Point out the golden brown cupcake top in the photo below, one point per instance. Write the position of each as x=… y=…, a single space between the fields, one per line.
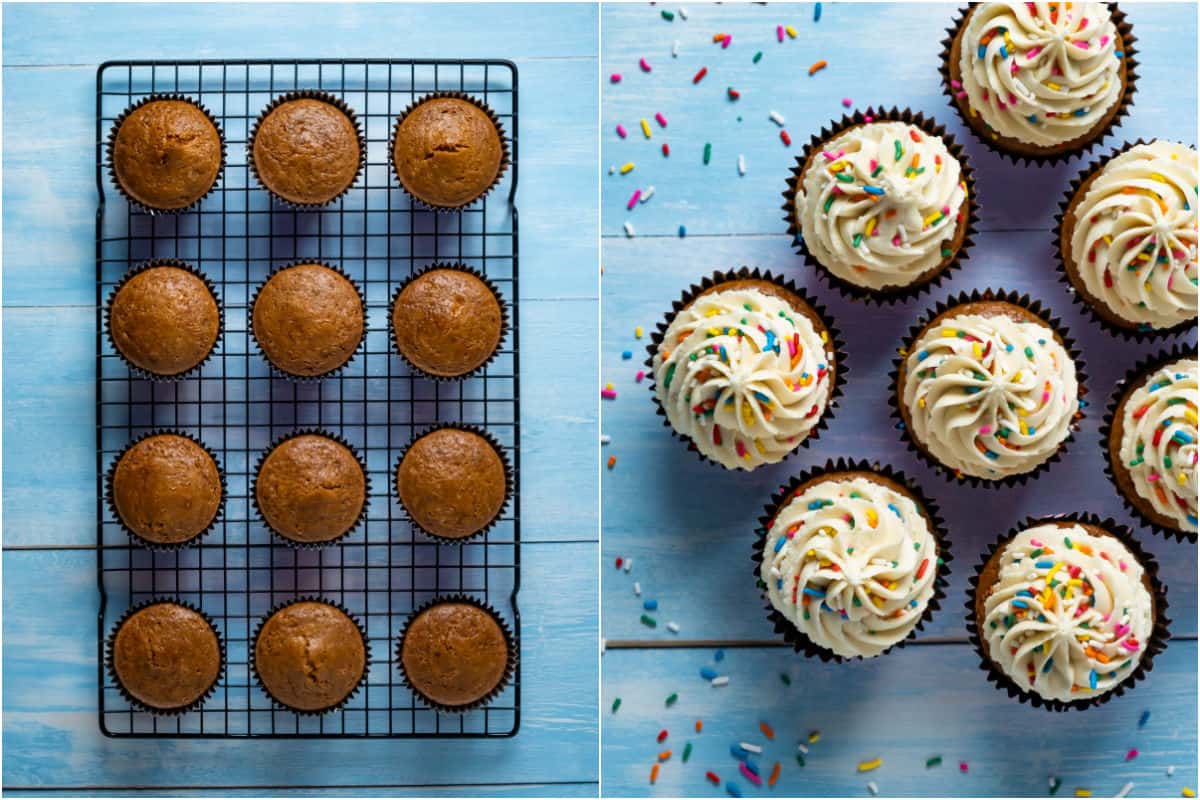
x=308 y=319
x=447 y=152
x=452 y=483
x=306 y=151
x=310 y=656
x=164 y=320
x=447 y=322
x=166 y=655
x=454 y=653
x=167 y=154
x=166 y=489
x=311 y=488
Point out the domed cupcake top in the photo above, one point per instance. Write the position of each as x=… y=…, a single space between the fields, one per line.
x=308 y=319
x=310 y=656
x=166 y=489
x=454 y=653
x=448 y=151
x=1133 y=242
x=852 y=564
x=164 y=320
x=880 y=205
x=306 y=150
x=311 y=488
x=167 y=154
x=1041 y=73
x=1069 y=614
x=166 y=656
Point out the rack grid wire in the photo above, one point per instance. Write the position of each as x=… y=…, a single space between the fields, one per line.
x=238 y=572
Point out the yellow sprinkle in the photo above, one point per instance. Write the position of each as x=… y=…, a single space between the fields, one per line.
x=1187 y=790
x=758 y=446
x=932 y=218
x=1182 y=478
x=872 y=517
x=715 y=331
x=1155 y=176
x=712 y=312
x=949 y=333
x=628 y=168
x=867 y=766
x=870 y=226
x=921 y=402
x=608 y=386
x=1190 y=416
x=1052 y=85
x=814 y=737
x=1083 y=792
x=790 y=31
x=637 y=332
x=977 y=349
x=645 y=129
x=824 y=336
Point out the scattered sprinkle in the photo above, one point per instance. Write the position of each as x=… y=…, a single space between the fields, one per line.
x=872 y=788
x=699 y=76
x=671 y=698
x=687 y=752
x=774 y=774
x=757 y=57
x=814 y=737
x=605 y=438
x=682 y=12
x=707 y=152
x=741 y=164
x=615 y=77
x=1083 y=792
x=633 y=199
x=662 y=736
x=1188 y=792
x=682 y=231
x=1132 y=754
x=847 y=102
x=627 y=168
x=712 y=777
x=637 y=332
x=699 y=726
x=733 y=790
x=962 y=766
x=644 y=64
x=616 y=704
x=664 y=755
x=933 y=761
x=787 y=140
x=654 y=773
x=612 y=461
x=1125 y=790
x=628 y=229
x=750 y=748
x=1144 y=718
x=767 y=731
x=637 y=589
x=791 y=32
x=867 y=766
x=787 y=679
x=720 y=681
x=817 y=13
x=660 y=119
x=608 y=394
x=817 y=67
x=648 y=621
x=669 y=16
x=621 y=131
x=673 y=627
x=1055 y=783
x=646 y=195
x=777 y=118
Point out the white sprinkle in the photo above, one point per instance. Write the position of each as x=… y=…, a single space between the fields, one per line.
x=777 y=118
x=802 y=748
x=628 y=564
x=673 y=627
x=646 y=195
x=682 y=12
x=629 y=230
x=720 y=680
x=872 y=788
x=1125 y=790
x=605 y=438
x=675 y=49
x=611 y=170
x=775 y=573
x=637 y=588
x=1170 y=771
x=603 y=645
x=1050 y=781
x=741 y=164
x=750 y=748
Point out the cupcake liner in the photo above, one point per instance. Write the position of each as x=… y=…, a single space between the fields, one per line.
x=284 y=373
x=110 y=662
x=509 y=481
x=459 y=267
x=137 y=205
x=1130 y=332
x=1142 y=369
x=338 y=706
x=110 y=498
x=505 y=150
x=988 y=295
x=836 y=344
x=937 y=526
x=262 y=459
x=310 y=94
x=1158 y=637
x=892 y=294
x=1128 y=40
x=134 y=369
x=509 y=670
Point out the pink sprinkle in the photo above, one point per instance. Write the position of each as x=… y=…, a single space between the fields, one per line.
x=896 y=240
x=658 y=116
x=984 y=430
x=1132 y=754
x=741 y=449
x=725 y=42
x=748 y=775
x=633 y=198
x=1103 y=41
x=874 y=164
x=615 y=77
x=644 y=64
x=1121 y=564
x=961 y=95
x=847 y=102
x=1120 y=630
x=639 y=376
x=1036 y=543
x=833 y=156
x=1033 y=52
x=608 y=394
x=868 y=119
x=1153 y=476
x=956 y=84
x=1130 y=645
x=962 y=766
x=621 y=131
x=779 y=32
x=1045 y=397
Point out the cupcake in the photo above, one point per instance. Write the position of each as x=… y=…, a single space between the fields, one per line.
x=448 y=150
x=456 y=654
x=165 y=657
x=1150 y=442
x=881 y=203
x=987 y=388
x=166 y=153
x=1040 y=81
x=1127 y=237
x=306 y=148
x=453 y=482
x=852 y=559
x=1067 y=612
x=166 y=489
x=447 y=321
x=308 y=319
x=164 y=319
x=311 y=489
x=745 y=368
x=310 y=656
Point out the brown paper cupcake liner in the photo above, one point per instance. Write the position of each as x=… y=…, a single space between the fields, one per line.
x=505 y=150
x=134 y=369
x=310 y=94
x=988 y=295
x=110 y=661
x=836 y=344
x=1130 y=331
x=339 y=705
x=262 y=459
x=890 y=294
x=458 y=266
x=509 y=482
x=135 y=204
x=279 y=371
x=110 y=498
x=1144 y=367
x=937 y=526
x=509 y=670
x=1158 y=637
x=1128 y=40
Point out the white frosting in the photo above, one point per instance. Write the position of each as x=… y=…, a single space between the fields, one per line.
x=744 y=376
x=880 y=204
x=1040 y=73
x=1134 y=241
x=852 y=564
x=1158 y=442
x=1067 y=621
x=990 y=396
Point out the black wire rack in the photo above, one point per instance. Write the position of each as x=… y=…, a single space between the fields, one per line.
x=384 y=569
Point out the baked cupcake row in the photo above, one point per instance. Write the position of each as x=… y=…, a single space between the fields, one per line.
x=310 y=656
x=167 y=152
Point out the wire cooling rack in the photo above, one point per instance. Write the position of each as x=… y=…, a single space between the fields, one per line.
x=238 y=572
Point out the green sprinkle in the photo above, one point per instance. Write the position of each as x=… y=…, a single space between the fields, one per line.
x=800 y=759
x=858 y=237
x=648 y=621
x=947 y=252
x=899 y=150
x=933 y=762
x=668 y=15
x=828 y=204
x=1067 y=542
x=1028 y=351
x=845 y=177
x=616 y=705
x=707 y=152
x=758 y=57
x=875 y=172
x=687 y=752
x=787 y=681
x=671 y=698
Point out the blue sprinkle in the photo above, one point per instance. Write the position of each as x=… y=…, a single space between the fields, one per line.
x=626 y=354
x=813 y=592
x=708 y=673
x=650 y=605
x=733 y=790
x=1182 y=437
x=982 y=50
x=817 y=13
x=1008 y=348
x=1092 y=679
x=719 y=655
x=1192 y=518
x=814 y=505
x=1048 y=665
x=779 y=543
x=1043 y=565
x=922 y=355
x=1003 y=51
x=820 y=366
x=895 y=510
x=973 y=390
x=779 y=584
x=737 y=752
x=751 y=764
x=1080 y=112
x=1143 y=719
x=1026 y=592
x=875 y=190
x=1119 y=53
x=1019 y=604
x=682 y=231
x=1032 y=430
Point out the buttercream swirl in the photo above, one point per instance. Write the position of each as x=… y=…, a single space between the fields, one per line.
x=744 y=376
x=1158 y=441
x=1134 y=239
x=1068 y=617
x=990 y=396
x=880 y=205
x=1040 y=73
x=852 y=564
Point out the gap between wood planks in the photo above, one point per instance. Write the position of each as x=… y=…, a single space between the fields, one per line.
x=706 y=644
x=259 y=787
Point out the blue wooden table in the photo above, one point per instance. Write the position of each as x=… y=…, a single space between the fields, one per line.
x=52 y=743
x=688 y=526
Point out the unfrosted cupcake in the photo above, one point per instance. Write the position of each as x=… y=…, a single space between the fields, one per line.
x=310 y=656
x=307 y=149
x=308 y=319
x=166 y=657
x=311 y=489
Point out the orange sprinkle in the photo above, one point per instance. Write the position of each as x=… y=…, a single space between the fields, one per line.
x=774 y=774
x=766 y=729
x=664 y=755
x=699 y=726
x=654 y=773
x=817 y=67
x=612 y=461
